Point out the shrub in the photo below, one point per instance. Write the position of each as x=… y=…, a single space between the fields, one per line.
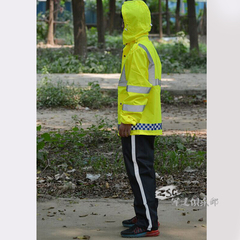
x=63 y=61
x=51 y=94
x=94 y=98
x=175 y=57
x=42 y=28
x=90 y=147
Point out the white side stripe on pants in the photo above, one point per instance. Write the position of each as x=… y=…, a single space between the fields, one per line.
x=136 y=171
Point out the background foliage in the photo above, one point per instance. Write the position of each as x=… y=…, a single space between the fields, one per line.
x=175 y=56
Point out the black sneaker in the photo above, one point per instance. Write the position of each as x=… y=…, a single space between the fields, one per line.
x=131 y=222
x=137 y=232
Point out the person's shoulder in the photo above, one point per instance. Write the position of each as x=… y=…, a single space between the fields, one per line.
x=147 y=43
x=137 y=48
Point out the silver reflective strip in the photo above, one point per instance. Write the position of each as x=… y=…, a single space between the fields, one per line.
x=139 y=181
x=156 y=82
x=123 y=81
x=151 y=68
x=133 y=108
x=138 y=89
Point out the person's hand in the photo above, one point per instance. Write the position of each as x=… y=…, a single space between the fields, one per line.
x=125 y=129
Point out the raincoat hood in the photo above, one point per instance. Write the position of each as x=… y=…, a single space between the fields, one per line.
x=137 y=20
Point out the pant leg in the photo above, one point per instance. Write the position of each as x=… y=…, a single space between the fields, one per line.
x=138 y=152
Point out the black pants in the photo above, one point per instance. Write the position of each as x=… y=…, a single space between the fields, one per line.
x=138 y=153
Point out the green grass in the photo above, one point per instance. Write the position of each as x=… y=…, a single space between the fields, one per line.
x=175 y=153
x=59 y=94
x=63 y=61
x=98 y=147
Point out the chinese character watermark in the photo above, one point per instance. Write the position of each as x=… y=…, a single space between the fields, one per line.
x=171 y=192
x=194 y=202
x=214 y=201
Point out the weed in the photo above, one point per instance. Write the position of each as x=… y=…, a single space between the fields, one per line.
x=50 y=94
x=174 y=153
x=98 y=147
x=59 y=94
x=58 y=146
x=41 y=28
x=63 y=61
x=94 y=98
x=166 y=97
x=176 y=57
x=41 y=152
x=111 y=41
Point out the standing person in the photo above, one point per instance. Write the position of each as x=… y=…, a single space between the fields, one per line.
x=139 y=116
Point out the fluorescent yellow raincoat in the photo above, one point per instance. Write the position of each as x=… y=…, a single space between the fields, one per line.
x=139 y=87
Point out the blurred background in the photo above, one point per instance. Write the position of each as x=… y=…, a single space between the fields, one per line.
x=86 y=36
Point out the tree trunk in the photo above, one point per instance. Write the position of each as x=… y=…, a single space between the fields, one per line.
x=160 y=18
x=80 y=37
x=192 y=25
x=205 y=19
x=50 y=37
x=100 y=24
x=112 y=10
x=167 y=18
x=177 y=16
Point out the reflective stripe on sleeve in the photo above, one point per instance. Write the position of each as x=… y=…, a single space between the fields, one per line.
x=151 y=71
x=138 y=89
x=151 y=68
x=156 y=82
x=133 y=108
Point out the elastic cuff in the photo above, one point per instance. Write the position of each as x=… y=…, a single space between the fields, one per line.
x=128 y=120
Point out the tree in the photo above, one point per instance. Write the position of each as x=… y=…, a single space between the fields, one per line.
x=160 y=18
x=100 y=24
x=202 y=21
x=80 y=36
x=192 y=25
x=177 y=23
x=204 y=17
x=112 y=11
x=50 y=37
x=56 y=6
x=167 y=18
x=56 y=9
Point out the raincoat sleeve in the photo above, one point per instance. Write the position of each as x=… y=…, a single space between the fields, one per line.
x=138 y=86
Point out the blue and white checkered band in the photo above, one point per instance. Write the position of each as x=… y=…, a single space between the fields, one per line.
x=147 y=126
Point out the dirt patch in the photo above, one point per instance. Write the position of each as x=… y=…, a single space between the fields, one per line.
x=176 y=119
x=181 y=120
